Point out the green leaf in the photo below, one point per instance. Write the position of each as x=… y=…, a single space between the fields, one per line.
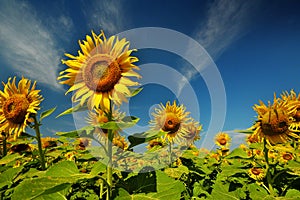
x=140 y=138
x=53 y=196
x=135 y=91
x=126 y=122
x=238 y=153
x=256 y=146
x=294 y=166
x=221 y=191
x=9 y=158
x=32 y=188
x=293 y=193
x=247 y=131
x=98 y=168
x=63 y=169
x=47 y=113
x=176 y=172
x=83 y=132
x=256 y=191
x=76 y=108
x=7 y=177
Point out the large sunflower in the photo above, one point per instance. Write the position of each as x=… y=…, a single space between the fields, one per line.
x=293 y=99
x=273 y=121
x=193 y=131
x=100 y=71
x=16 y=105
x=172 y=119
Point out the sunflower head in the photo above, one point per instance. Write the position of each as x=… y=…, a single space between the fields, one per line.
x=293 y=99
x=17 y=103
x=49 y=142
x=156 y=143
x=171 y=119
x=120 y=142
x=273 y=121
x=222 y=139
x=99 y=74
x=193 y=130
x=257 y=173
x=83 y=143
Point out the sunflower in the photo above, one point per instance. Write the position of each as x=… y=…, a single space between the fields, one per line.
x=294 y=99
x=257 y=173
x=273 y=121
x=193 y=130
x=222 y=139
x=17 y=103
x=100 y=71
x=98 y=116
x=156 y=143
x=49 y=142
x=172 y=119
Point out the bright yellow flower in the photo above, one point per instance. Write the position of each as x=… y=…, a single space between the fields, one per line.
x=99 y=72
x=293 y=99
x=171 y=119
x=222 y=139
x=193 y=131
x=98 y=116
x=273 y=121
x=120 y=142
x=48 y=142
x=257 y=173
x=17 y=103
x=157 y=142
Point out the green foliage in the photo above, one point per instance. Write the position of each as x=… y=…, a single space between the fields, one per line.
x=47 y=113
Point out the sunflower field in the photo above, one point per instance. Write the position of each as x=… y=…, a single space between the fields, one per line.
x=98 y=162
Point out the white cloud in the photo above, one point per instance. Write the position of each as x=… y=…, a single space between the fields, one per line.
x=106 y=15
x=29 y=46
x=226 y=21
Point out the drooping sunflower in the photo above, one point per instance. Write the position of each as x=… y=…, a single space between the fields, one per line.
x=222 y=139
x=273 y=121
x=100 y=71
x=17 y=103
x=293 y=99
x=172 y=119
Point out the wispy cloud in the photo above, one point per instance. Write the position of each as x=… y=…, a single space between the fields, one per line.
x=105 y=14
x=226 y=21
x=28 y=46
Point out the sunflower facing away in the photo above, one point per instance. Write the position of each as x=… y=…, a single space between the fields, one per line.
x=273 y=121
x=293 y=98
x=171 y=119
x=16 y=105
x=100 y=71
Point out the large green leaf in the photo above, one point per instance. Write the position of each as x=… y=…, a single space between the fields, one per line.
x=76 y=108
x=7 y=177
x=221 y=191
x=176 y=172
x=9 y=158
x=52 y=196
x=63 y=169
x=140 y=138
x=256 y=191
x=126 y=122
x=293 y=194
x=167 y=188
x=35 y=187
x=98 y=168
x=47 y=113
x=135 y=91
x=238 y=153
x=83 y=132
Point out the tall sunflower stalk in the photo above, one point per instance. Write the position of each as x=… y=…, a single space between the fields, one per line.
x=99 y=77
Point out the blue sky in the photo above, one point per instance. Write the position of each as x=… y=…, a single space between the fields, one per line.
x=255 y=46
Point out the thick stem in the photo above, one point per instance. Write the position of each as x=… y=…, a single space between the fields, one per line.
x=110 y=137
x=38 y=138
x=4 y=147
x=268 y=175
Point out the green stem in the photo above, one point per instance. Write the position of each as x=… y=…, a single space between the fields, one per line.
x=110 y=137
x=4 y=145
x=38 y=138
x=170 y=154
x=269 y=179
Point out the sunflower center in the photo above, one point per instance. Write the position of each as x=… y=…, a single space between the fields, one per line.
x=15 y=108
x=297 y=115
x=101 y=73
x=256 y=171
x=287 y=156
x=222 y=141
x=172 y=123
x=274 y=122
